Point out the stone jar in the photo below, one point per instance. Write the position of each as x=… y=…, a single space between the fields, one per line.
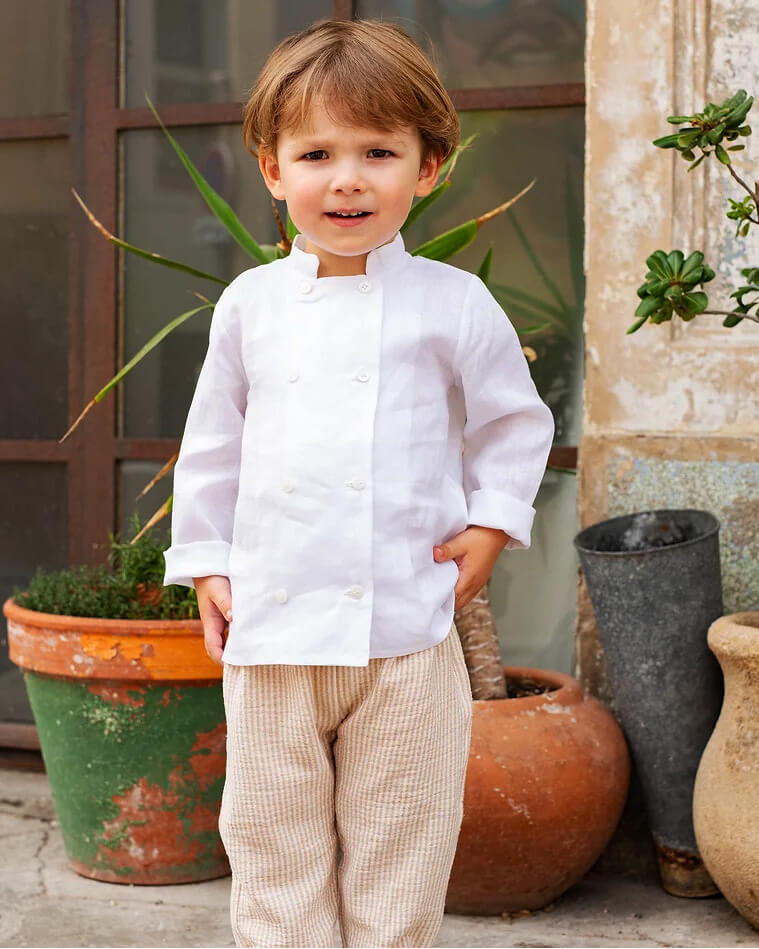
x=655 y=584
x=726 y=792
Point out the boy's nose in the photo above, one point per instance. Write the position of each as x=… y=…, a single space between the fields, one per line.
x=348 y=179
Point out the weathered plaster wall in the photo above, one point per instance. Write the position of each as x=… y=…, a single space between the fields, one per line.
x=646 y=61
x=671 y=413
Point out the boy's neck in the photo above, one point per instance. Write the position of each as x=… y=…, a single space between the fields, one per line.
x=336 y=265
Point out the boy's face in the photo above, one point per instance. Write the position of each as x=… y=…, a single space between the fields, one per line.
x=327 y=168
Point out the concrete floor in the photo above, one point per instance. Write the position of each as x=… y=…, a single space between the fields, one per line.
x=44 y=903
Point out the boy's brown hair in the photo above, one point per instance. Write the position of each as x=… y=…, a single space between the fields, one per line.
x=365 y=72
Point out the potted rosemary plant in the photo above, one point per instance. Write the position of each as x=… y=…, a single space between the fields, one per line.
x=130 y=716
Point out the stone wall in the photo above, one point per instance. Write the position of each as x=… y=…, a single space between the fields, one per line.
x=671 y=416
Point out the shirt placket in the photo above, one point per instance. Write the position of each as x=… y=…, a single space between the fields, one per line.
x=345 y=328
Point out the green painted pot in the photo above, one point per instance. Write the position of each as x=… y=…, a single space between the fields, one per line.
x=130 y=716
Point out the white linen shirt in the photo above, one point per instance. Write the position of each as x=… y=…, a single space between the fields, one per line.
x=340 y=427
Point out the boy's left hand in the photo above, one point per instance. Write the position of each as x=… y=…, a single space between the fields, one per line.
x=475 y=551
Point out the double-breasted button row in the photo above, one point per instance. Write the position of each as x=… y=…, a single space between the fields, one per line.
x=306 y=286
x=288 y=485
x=361 y=376
x=355 y=592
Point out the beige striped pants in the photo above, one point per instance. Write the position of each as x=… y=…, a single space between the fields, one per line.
x=369 y=761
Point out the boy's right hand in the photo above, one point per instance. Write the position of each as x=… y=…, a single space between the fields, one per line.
x=215 y=607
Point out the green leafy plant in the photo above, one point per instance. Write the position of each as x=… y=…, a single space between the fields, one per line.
x=128 y=587
x=670 y=285
x=442 y=247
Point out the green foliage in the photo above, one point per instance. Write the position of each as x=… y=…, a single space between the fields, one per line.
x=741 y=212
x=669 y=287
x=752 y=287
x=708 y=129
x=128 y=587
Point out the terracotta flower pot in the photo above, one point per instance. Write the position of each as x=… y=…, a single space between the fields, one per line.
x=130 y=716
x=726 y=792
x=546 y=784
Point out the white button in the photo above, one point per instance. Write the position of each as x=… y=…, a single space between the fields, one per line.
x=357 y=483
x=293 y=376
x=364 y=286
x=356 y=592
x=362 y=376
x=305 y=287
x=281 y=595
x=288 y=485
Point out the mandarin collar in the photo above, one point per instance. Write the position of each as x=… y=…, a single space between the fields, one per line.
x=381 y=259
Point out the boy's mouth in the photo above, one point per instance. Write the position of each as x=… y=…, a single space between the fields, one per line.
x=348 y=218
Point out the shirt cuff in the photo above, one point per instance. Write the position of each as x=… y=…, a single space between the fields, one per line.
x=488 y=508
x=201 y=559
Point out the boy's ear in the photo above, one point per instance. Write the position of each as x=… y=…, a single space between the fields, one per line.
x=269 y=166
x=428 y=174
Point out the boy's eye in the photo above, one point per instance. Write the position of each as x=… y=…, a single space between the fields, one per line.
x=319 y=154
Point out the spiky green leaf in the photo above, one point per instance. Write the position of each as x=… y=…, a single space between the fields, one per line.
x=150 y=345
x=483 y=271
x=423 y=203
x=449 y=243
x=213 y=199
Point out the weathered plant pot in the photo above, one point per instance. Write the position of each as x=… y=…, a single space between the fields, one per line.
x=726 y=793
x=545 y=787
x=655 y=586
x=130 y=716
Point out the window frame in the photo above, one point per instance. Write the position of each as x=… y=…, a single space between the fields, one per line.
x=92 y=129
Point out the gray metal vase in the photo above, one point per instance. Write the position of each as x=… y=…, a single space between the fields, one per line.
x=655 y=586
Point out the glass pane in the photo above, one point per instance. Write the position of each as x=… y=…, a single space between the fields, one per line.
x=537 y=274
x=34 y=201
x=537 y=271
x=165 y=213
x=33 y=532
x=493 y=42
x=204 y=50
x=132 y=478
x=533 y=591
x=35 y=60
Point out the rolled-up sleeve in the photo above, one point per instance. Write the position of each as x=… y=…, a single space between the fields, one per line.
x=509 y=429
x=207 y=470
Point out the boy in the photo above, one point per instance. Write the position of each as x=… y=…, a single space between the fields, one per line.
x=323 y=507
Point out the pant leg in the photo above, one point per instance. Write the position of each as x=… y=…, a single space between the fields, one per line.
x=400 y=761
x=277 y=809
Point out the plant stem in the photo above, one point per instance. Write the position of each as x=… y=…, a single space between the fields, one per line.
x=743 y=184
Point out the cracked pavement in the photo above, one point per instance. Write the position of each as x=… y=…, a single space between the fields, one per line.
x=43 y=902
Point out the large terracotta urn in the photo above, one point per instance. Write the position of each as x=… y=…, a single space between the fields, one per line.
x=726 y=792
x=545 y=787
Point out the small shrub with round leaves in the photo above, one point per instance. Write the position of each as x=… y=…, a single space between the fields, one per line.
x=669 y=288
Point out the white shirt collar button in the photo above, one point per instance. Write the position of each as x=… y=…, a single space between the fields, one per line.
x=281 y=596
x=293 y=376
x=356 y=592
x=306 y=286
x=365 y=286
x=357 y=483
x=362 y=376
x=288 y=485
